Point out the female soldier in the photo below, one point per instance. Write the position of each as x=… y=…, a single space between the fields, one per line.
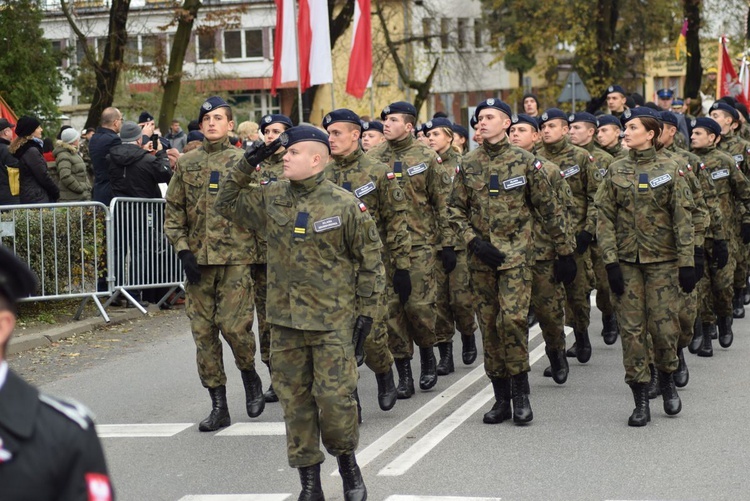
x=645 y=231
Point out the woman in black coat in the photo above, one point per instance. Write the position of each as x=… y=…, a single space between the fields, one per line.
x=37 y=187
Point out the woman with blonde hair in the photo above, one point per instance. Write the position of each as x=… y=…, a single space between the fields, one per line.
x=248 y=133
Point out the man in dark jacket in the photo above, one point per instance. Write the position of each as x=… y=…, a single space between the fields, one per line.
x=7 y=160
x=101 y=142
x=133 y=171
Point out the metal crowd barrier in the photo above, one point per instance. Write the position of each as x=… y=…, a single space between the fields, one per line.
x=66 y=244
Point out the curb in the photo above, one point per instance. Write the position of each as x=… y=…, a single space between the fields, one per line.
x=20 y=344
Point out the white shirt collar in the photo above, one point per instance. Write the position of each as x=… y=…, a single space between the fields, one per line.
x=3 y=372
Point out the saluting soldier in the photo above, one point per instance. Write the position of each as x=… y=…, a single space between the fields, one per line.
x=325 y=271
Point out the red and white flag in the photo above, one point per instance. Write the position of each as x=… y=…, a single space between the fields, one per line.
x=314 y=44
x=729 y=82
x=360 y=61
x=285 y=46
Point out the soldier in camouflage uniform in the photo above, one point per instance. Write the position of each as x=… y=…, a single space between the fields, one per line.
x=455 y=300
x=608 y=136
x=372 y=183
x=427 y=186
x=732 y=192
x=216 y=256
x=581 y=130
x=547 y=293
x=579 y=170
x=739 y=149
x=495 y=193
x=645 y=230
x=324 y=270
x=372 y=135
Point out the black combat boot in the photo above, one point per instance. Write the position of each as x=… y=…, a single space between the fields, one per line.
x=582 y=346
x=354 y=484
x=672 y=403
x=445 y=366
x=571 y=353
x=710 y=328
x=548 y=370
x=531 y=318
x=705 y=349
x=654 y=390
x=681 y=376
x=726 y=336
x=386 y=390
x=219 y=417
x=738 y=307
x=468 y=349
x=309 y=477
x=558 y=366
x=405 y=379
x=501 y=408
x=519 y=389
x=641 y=414
x=609 y=331
x=254 y=401
x=746 y=295
x=428 y=375
x=697 y=340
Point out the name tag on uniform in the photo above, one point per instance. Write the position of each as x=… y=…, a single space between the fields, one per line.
x=364 y=190
x=739 y=158
x=658 y=181
x=327 y=224
x=719 y=174
x=571 y=171
x=416 y=169
x=514 y=182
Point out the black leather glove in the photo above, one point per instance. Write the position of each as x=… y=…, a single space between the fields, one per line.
x=745 y=233
x=259 y=151
x=402 y=285
x=564 y=269
x=615 y=279
x=687 y=278
x=448 y=255
x=700 y=262
x=583 y=239
x=190 y=266
x=487 y=252
x=721 y=253
x=362 y=328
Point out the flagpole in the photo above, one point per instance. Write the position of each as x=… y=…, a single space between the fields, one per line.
x=720 y=74
x=299 y=69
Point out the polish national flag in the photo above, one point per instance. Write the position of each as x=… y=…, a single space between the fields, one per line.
x=285 y=46
x=729 y=83
x=360 y=61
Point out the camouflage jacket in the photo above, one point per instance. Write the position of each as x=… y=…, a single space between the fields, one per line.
x=579 y=170
x=645 y=211
x=602 y=159
x=737 y=148
x=371 y=182
x=732 y=187
x=616 y=151
x=544 y=246
x=324 y=264
x=494 y=195
x=451 y=162
x=699 y=214
x=426 y=185
x=272 y=168
x=190 y=221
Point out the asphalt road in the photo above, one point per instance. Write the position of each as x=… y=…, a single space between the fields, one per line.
x=431 y=447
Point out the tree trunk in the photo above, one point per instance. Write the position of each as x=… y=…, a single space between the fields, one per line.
x=694 y=73
x=108 y=71
x=605 y=36
x=176 y=59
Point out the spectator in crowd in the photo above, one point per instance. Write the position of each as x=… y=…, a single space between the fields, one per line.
x=47 y=147
x=177 y=136
x=193 y=125
x=37 y=187
x=134 y=171
x=71 y=169
x=248 y=133
x=83 y=149
x=100 y=143
x=9 y=174
x=194 y=140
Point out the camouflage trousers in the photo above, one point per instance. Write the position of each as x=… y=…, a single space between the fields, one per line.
x=259 y=272
x=414 y=322
x=649 y=307
x=601 y=282
x=314 y=374
x=548 y=300
x=740 y=270
x=221 y=301
x=578 y=304
x=715 y=290
x=503 y=300
x=688 y=312
x=377 y=354
x=455 y=300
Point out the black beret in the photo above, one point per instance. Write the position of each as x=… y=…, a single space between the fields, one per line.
x=668 y=118
x=524 y=118
x=616 y=88
x=494 y=104
x=460 y=130
x=707 y=123
x=399 y=107
x=552 y=114
x=211 y=103
x=637 y=99
x=641 y=111
x=582 y=116
x=193 y=125
x=729 y=100
x=473 y=122
x=630 y=102
x=374 y=125
x=304 y=133
x=274 y=119
x=742 y=109
x=145 y=116
x=341 y=115
x=16 y=279
x=608 y=120
x=435 y=123
x=194 y=135
x=418 y=129
x=26 y=126
x=718 y=105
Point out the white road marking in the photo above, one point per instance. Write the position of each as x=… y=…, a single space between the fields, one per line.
x=141 y=430
x=253 y=429
x=423 y=446
x=437 y=498
x=235 y=497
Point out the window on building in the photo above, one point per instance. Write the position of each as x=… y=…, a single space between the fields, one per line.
x=151 y=49
x=131 y=50
x=478 y=34
x=253 y=43
x=57 y=51
x=232 y=45
x=80 y=54
x=252 y=105
x=243 y=44
x=463 y=33
x=445 y=33
x=427 y=33
x=206 y=46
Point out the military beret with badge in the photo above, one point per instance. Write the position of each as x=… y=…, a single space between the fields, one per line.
x=495 y=104
x=603 y=120
x=616 y=88
x=668 y=117
x=436 y=123
x=582 y=117
x=303 y=133
x=274 y=118
x=374 y=125
x=209 y=104
x=641 y=111
x=341 y=115
x=722 y=106
x=523 y=118
x=401 y=107
x=552 y=114
x=460 y=130
x=708 y=123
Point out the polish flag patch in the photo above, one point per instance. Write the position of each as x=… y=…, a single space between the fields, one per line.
x=362 y=207
x=98 y=488
x=439 y=160
x=538 y=165
x=391 y=175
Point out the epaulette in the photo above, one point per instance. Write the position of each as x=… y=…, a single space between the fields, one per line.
x=75 y=411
